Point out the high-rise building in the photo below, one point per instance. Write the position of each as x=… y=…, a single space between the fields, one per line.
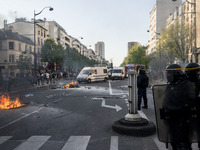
x=158 y=17
x=100 y=49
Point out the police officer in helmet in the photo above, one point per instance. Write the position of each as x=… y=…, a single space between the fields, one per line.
x=192 y=71
x=176 y=99
x=174 y=73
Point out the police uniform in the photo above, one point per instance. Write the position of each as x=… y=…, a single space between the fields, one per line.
x=142 y=84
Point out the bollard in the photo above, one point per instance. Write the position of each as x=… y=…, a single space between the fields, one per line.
x=133 y=123
x=133 y=105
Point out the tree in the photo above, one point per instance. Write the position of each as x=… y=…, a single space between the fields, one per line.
x=136 y=56
x=74 y=61
x=175 y=40
x=51 y=52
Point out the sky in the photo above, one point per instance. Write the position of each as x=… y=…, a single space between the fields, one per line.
x=115 y=22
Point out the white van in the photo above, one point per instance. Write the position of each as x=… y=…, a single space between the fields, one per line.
x=90 y=74
x=118 y=73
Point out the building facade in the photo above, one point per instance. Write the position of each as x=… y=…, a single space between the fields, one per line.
x=100 y=50
x=158 y=17
x=26 y=28
x=189 y=13
x=12 y=46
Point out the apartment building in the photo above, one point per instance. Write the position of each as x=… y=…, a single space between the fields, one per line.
x=12 y=45
x=158 y=16
x=100 y=50
x=190 y=15
x=26 y=28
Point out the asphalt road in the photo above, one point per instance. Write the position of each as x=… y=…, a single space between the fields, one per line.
x=73 y=119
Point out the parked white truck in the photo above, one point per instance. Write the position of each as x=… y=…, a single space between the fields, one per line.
x=91 y=74
x=118 y=73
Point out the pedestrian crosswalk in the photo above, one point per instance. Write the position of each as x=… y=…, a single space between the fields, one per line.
x=73 y=143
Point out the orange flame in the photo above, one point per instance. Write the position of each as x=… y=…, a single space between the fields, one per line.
x=6 y=103
x=70 y=85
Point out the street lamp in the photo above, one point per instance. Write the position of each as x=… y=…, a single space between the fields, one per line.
x=34 y=22
x=194 y=52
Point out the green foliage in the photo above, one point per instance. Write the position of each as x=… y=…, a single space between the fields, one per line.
x=68 y=58
x=74 y=60
x=136 y=56
x=51 y=52
x=174 y=40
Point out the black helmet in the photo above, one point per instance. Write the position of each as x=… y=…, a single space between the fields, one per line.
x=141 y=69
x=174 y=73
x=192 y=71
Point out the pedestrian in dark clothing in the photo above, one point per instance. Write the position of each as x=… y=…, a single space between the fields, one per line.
x=142 y=84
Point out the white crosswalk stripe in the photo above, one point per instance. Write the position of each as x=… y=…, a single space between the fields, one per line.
x=73 y=143
x=77 y=143
x=33 y=143
x=114 y=143
x=4 y=138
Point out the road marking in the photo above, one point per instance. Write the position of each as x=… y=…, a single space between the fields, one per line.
x=160 y=145
x=77 y=143
x=114 y=143
x=116 y=107
x=142 y=114
x=4 y=138
x=110 y=88
x=36 y=111
x=33 y=143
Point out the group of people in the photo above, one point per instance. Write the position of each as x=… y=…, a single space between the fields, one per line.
x=181 y=104
x=50 y=77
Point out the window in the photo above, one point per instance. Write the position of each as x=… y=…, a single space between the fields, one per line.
x=104 y=70
x=20 y=47
x=41 y=42
x=11 y=58
x=44 y=34
x=38 y=41
x=41 y=33
x=11 y=45
x=38 y=32
x=26 y=47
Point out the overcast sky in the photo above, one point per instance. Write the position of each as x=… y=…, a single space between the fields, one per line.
x=115 y=22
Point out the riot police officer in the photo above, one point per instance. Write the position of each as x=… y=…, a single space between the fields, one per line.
x=178 y=96
x=192 y=71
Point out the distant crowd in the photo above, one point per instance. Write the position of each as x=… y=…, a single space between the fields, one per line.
x=48 y=77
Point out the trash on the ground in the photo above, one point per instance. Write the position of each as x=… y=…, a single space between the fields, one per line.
x=28 y=95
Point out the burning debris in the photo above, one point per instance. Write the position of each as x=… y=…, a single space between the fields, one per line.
x=6 y=103
x=71 y=85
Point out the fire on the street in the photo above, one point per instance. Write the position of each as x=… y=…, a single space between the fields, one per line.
x=6 y=103
x=71 y=85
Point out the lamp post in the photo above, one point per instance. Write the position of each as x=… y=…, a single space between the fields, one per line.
x=34 y=22
x=194 y=51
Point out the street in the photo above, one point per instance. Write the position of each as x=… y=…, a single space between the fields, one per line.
x=73 y=119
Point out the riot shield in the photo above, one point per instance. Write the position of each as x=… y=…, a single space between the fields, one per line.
x=177 y=113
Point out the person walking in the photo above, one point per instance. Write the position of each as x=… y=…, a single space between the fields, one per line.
x=142 y=84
